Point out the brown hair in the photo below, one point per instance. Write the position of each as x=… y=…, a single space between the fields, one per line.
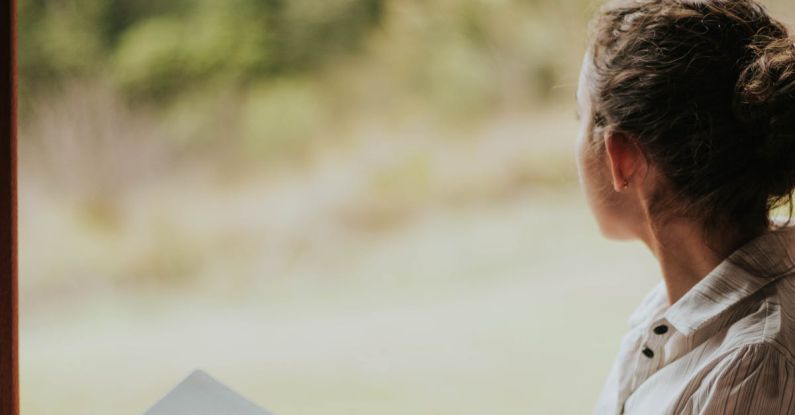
x=707 y=87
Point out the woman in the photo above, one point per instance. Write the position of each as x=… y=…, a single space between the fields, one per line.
x=687 y=142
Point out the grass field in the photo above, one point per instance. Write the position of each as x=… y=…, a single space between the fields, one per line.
x=510 y=307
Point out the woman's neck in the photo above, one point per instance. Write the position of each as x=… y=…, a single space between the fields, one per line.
x=684 y=256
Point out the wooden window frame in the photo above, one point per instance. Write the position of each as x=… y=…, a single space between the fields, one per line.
x=9 y=341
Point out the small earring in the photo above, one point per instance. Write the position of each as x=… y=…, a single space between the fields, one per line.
x=626 y=183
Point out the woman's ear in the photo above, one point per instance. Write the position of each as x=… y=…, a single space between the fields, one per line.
x=626 y=159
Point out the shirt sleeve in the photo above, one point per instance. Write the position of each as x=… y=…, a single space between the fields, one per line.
x=755 y=379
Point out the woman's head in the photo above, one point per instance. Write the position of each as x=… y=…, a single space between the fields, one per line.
x=688 y=110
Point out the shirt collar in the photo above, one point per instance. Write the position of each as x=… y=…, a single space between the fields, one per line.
x=755 y=264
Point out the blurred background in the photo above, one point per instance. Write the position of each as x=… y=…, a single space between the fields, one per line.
x=333 y=207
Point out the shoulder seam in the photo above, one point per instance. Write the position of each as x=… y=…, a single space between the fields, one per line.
x=772 y=344
x=771 y=340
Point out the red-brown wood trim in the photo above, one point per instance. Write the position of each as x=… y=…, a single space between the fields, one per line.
x=9 y=341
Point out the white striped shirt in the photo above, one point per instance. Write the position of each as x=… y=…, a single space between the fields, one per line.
x=726 y=347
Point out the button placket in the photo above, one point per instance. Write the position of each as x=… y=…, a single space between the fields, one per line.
x=651 y=351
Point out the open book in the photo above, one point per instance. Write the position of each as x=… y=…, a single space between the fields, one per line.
x=200 y=394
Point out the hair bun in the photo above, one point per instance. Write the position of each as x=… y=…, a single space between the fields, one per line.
x=765 y=104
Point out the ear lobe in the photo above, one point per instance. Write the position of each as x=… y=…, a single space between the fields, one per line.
x=626 y=159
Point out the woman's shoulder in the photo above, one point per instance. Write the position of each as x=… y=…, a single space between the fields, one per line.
x=766 y=324
x=753 y=378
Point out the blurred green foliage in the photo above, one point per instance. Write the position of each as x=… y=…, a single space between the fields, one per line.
x=454 y=54
x=156 y=49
